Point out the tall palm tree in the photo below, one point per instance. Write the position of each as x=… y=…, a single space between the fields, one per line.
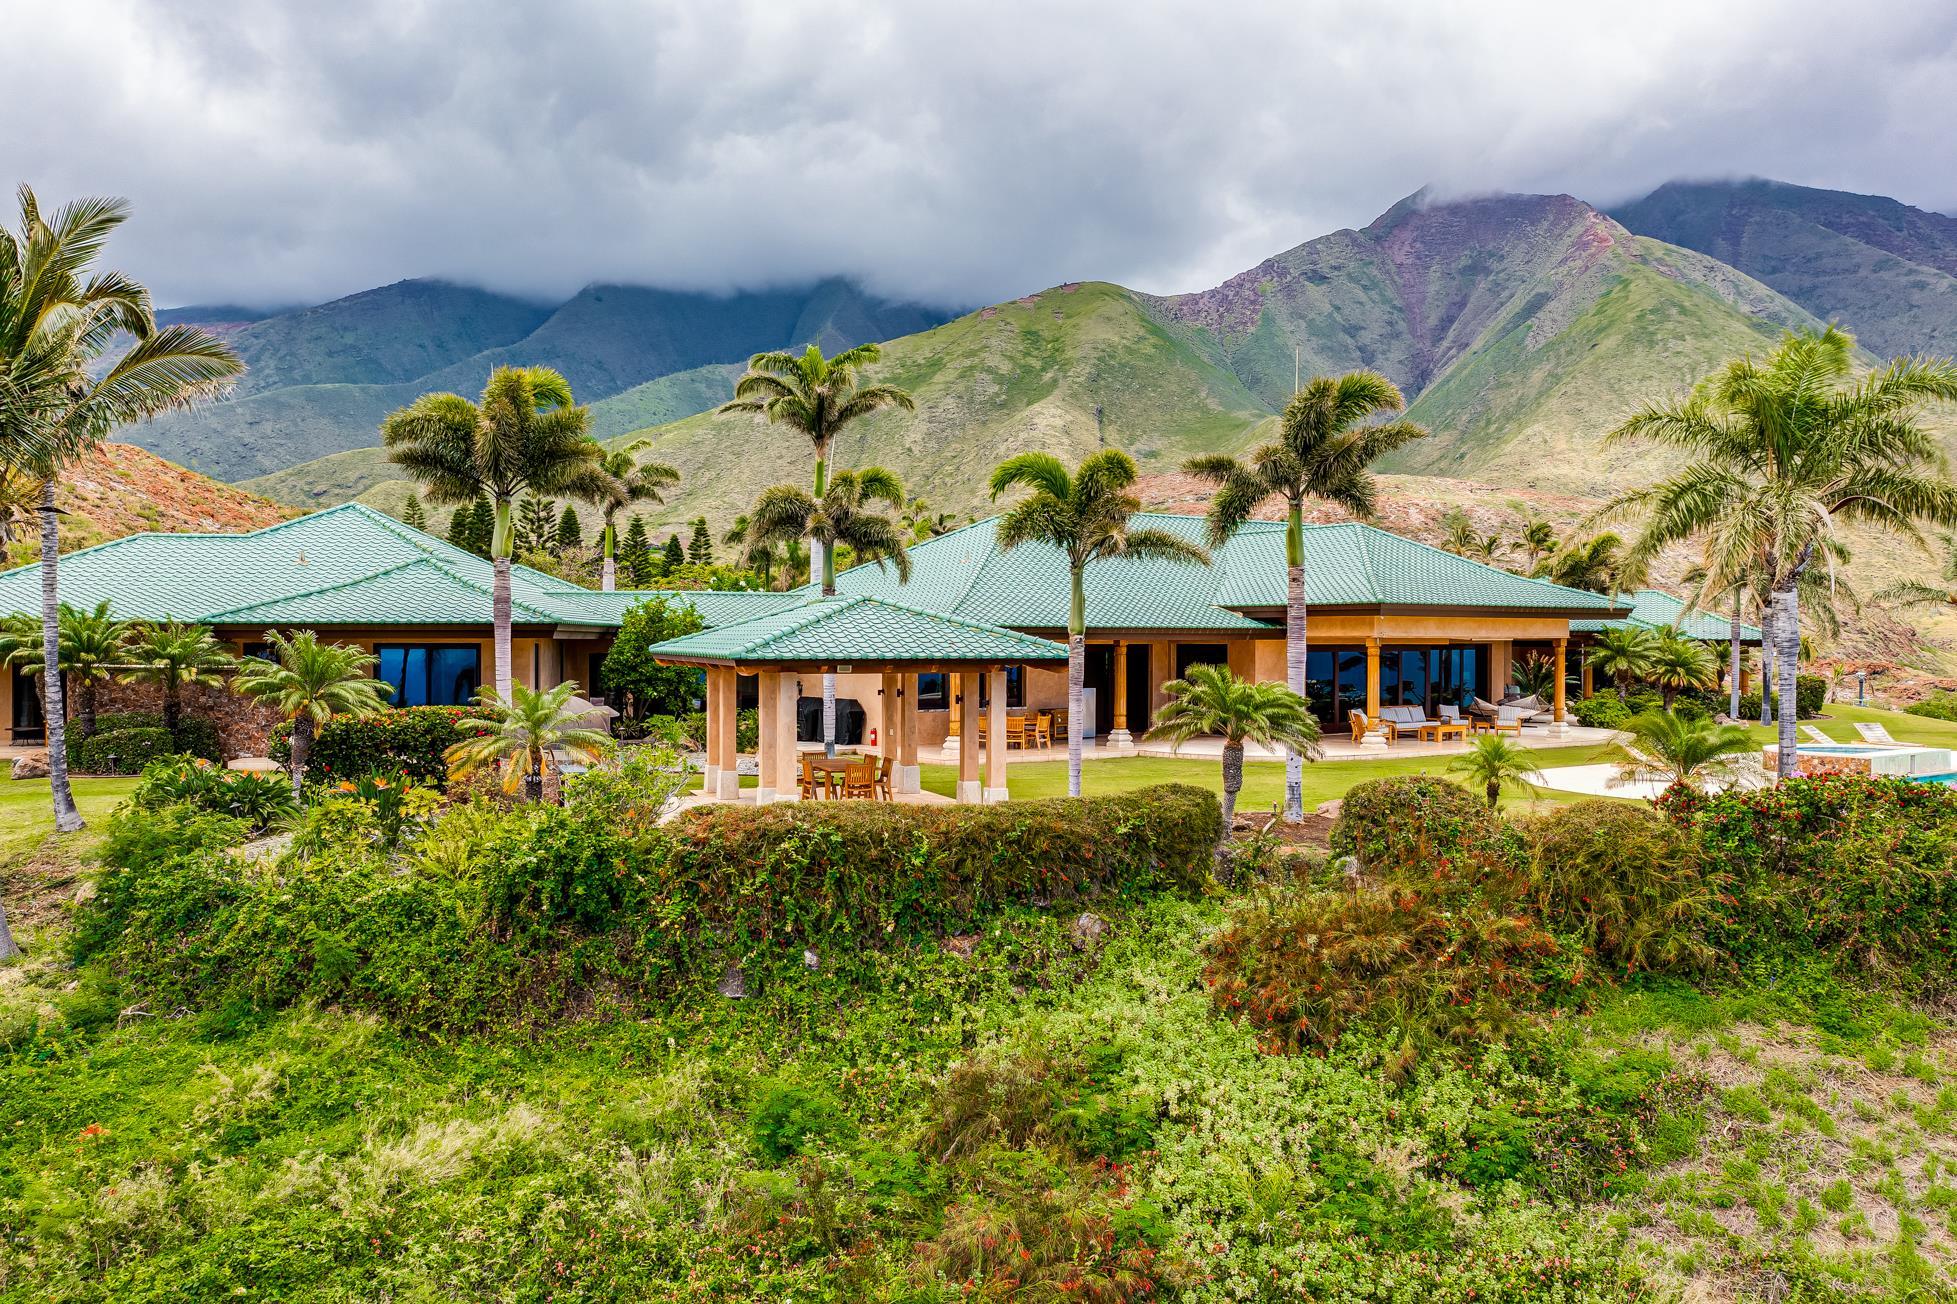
x=1327 y=438
x=1209 y=701
x=60 y=394
x=1538 y=540
x=843 y=517
x=627 y=481
x=1496 y=763
x=1785 y=450
x=309 y=682
x=1624 y=654
x=1599 y=564
x=1086 y=516
x=1672 y=749
x=819 y=397
x=174 y=657
x=92 y=645
x=1678 y=663
x=525 y=730
x=525 y=436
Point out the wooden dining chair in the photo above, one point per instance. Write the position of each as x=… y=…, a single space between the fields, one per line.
x=815 y=783
x=860 y=780
x=1043 y=729
x=884 y=767
x=1016 y=732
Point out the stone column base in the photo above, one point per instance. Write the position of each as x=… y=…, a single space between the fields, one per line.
x=950 y=745
x=710 y=779
x=730 y=785
x=1120 y=740
x=764 y=796
x=993 y=796
x=1374 y=741
x=906 y=779
x=969 y=791
x=1560 y=728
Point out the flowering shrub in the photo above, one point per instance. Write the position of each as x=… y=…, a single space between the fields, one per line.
x=1626 y=884
x=408 y=739
x=262 y=801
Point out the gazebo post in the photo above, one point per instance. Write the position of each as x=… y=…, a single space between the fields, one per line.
x=968 y=772
x=890 y=707
x=995 y=737
x=1562 y=683
x=723 y=727
x=788 y=756
x=906 y=780
x=770 y=705
x=710 y=774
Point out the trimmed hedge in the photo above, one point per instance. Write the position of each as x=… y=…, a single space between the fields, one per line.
x=401 y=740
x=1391 y=824
x=1810 y=695
x=131 y=737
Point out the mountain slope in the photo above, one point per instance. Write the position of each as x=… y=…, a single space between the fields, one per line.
x=322 y=378
x=1886 y=271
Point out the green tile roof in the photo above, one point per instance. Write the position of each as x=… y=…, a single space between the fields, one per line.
x=347 y=565
x=858 y=628
x=965 y=573
x=1654 y=609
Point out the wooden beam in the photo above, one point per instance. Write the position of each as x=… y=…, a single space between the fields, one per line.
x=995 y=738
x=964 y=706
x=770 y=704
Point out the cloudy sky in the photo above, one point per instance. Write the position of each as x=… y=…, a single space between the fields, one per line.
x=955 y=152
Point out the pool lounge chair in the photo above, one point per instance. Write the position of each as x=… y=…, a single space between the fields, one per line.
x=1877 y=734
x=1814 y=735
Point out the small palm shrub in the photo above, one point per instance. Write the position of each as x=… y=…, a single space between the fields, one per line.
x=1627 y=884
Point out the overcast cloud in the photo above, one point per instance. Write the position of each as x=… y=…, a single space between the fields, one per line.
x=956 y=152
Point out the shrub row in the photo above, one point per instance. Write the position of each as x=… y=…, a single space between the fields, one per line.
x=126 y=741
x=406 y=740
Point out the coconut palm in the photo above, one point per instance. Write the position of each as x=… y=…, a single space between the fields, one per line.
x=61 y=393
x=1538 y=540
x=524 y=732
x=1209 y=701
x=174 y=657
x=1600 y=564
x=1623 y=654
x=1668 y=747
x=1677 y=663
x=309 y=682
x=92 y=646
x=843 y=517
x=924 y=522
x=1086 y=516
x=1496 y=763
x=1326 y=439
x=1784 y=450
x=627 y=481
x=818 y=396
x=526 y=436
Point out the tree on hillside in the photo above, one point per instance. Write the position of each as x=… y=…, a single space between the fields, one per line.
x=92 y=646
x=412 y=513
x=570 y=531
x=536 y=525
x=1538 y=540
x=699 y=546
x=630 y=481
x=1086 y=516
x=1599 y=564
x=844 y=517
x=526 y=436
x=1785 y=450
x=1209 y=701
x=67 y=382
x=1326 y=440
x=309 y=682
x=636 y=553
x=1622 y=654
x=176 y=656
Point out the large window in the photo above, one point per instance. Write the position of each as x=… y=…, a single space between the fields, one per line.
x=430 y=674
x=934 y=692
x=1427 y=677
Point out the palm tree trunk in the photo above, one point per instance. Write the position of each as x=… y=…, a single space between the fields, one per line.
x=533 y=785
x=609 y=544
x=1294 y=653
x=828 y=676
x=1767 y=664
x=8 y=947
x=85 y=707
x=302 y=753
x=499 y=602
x=1787 y=666
x=1733 y=665
x=1233 y=782
x=66 y=818
x=1076 y=680
x=1494 y=793
x=172 y=704
x=1623 y=686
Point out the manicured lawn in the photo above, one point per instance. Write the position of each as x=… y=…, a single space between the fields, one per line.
x=27 y=816
x=1842 y=717
x=1263 y=780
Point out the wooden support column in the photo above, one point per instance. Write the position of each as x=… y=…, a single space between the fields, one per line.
x=1375 y=739
x=954 y=716
x=906 y=778
x=889 y=726
x=1119 y=736
x=1562 y=658
x=1589 y=678
x=724 y=727
x=995 y=737
x=964 y=705
x=710 y=774
x=770 y=739
x=788 y=755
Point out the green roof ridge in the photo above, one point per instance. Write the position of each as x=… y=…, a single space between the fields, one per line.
x=216 y=616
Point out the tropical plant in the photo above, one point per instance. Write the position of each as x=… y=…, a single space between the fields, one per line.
x=1677 y=664
x=526 y=436
x=523 y=733
x=1535 y=676
x=1085 y=516
x=175 y=656
x=627 y=481
x=92 y=647
x=1622 y=654
x=1671 y=748
x=413 y=514
x=1784 y=450
x=310 y=682
x=1600 y=564
x=1495 y=763
x=1538 y=540
x=843 y=517
x=925 y=523
x=1326 y=439
x=67 y=381
x=1463 y=540
x=1210 y=702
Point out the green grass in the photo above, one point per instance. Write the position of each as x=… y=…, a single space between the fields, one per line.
x=27 y=816
x=1263 y=780
x=1842 y=718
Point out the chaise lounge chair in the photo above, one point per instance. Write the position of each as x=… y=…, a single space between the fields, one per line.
x=1877 y=734
x=1814 y=735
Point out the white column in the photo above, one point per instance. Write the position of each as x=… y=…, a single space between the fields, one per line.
x=995 y=737
x=907 y=777
x=788 y=753
x=969 y=788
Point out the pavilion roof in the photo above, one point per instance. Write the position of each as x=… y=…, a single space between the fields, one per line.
x=859 y=630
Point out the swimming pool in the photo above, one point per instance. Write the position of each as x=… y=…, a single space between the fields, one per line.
x=1866 y=758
